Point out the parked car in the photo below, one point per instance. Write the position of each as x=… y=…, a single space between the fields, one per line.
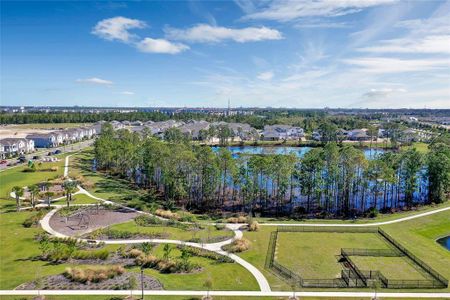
x=36 y=157
x=22 y=159
x=57 y=151
x=3 y=162
x=50 y=153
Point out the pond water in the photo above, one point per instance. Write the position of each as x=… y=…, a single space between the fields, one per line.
x=299 y=151
x=445 y=242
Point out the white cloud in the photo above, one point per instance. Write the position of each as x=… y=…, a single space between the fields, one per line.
x=429 y=44
x=204 y=33
x=397 y=65
x=384 y=92
x=265 y=75
x=149 y=45
x=116 y=29
x=288 y=10
x=95 y=80
x=127 y=93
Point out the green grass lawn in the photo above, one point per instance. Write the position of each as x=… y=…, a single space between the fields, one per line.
x=108 y=188
x=313 y=255
x=18 y=250
x=77 y=199
x=419 y=146
x=174 y=233
x=396 y=268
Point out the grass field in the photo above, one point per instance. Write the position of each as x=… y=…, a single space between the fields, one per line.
x=208 y=232
x=397 y=268
x=313 y=255
x=77 y=199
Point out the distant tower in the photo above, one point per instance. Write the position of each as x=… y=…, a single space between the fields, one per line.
x=229 y=107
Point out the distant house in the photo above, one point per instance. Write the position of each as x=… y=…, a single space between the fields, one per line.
x=316 y=136
x=45 y=140
x=281 y=132
x=194 y=128
x=358 y=135
x=16 y=146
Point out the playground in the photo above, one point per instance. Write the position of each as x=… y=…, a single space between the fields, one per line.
x=79 y=220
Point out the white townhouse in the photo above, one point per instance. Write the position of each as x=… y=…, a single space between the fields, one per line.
x=16 y=146
x=45 y=140
x=282 y=132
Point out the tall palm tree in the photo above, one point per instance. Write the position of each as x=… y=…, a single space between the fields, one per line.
x=34 y=190
x=18 y=192
x=69 y=188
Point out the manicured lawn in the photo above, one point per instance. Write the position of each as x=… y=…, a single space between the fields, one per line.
x=77 y=199
x=16 y=176
x=313 y=255
x=419 y=146
x=174 y=233
x=399 y=268
x=419 y=236
x=108 y=188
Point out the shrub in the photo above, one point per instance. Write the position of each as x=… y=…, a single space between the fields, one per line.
x=240 y=219
x=102 y=254
x=167 y=214
x=145 y=220
x=206 y=254
x=253 y=226
x=93 y=274
x=33 y=220
x=238 y=245
x=133 y=253
x=219 y=226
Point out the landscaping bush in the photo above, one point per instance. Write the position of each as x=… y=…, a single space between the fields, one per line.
x=33 y=220
x=219 y=226
x=102 y=254
x=239 y=245
x=253 y=226
x=240 y=219
x=114 y=234
x=167 y=214
x=146 y=220
x=206 y=254
x=93 y=274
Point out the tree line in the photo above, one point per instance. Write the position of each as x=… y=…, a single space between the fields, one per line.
x=331 y=180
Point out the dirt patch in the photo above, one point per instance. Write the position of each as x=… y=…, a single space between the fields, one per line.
x=60 y=282
x=90 y=218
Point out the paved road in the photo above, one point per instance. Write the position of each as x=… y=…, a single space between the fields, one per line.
x=44 y=151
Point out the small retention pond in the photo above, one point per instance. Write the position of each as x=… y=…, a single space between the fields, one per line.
x=445 y=241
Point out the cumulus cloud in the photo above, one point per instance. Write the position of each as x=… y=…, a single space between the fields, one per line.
x=288 y=10
x=149 y=45
x=95 y=80
x=265 y=75
x=381 y=93
x=205 y=33
x=117 y=29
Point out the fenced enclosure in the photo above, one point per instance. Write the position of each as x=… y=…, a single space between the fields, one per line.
x=351 y=275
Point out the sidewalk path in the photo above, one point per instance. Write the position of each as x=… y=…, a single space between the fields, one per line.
x=329 y=295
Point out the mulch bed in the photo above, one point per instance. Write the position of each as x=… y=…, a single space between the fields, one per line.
x=100 y=218
x=121 y=282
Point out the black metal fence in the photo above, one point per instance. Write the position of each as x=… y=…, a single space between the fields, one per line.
x=436 y=276
x=371 y=252
x=353 y=276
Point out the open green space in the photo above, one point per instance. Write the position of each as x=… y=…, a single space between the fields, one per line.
x=205 y=233
x=313 y=255
x=397 y=268
x=18 y=263
x=77 y=199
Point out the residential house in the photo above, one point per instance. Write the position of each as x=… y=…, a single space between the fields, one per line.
x=358 y=135
x=45 y=140
x=281 y=132
x=16 y=146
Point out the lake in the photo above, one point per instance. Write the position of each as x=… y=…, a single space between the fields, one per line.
x=445 y=242
x=299 y=151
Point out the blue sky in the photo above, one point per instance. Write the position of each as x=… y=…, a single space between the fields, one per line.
x=302 y=54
